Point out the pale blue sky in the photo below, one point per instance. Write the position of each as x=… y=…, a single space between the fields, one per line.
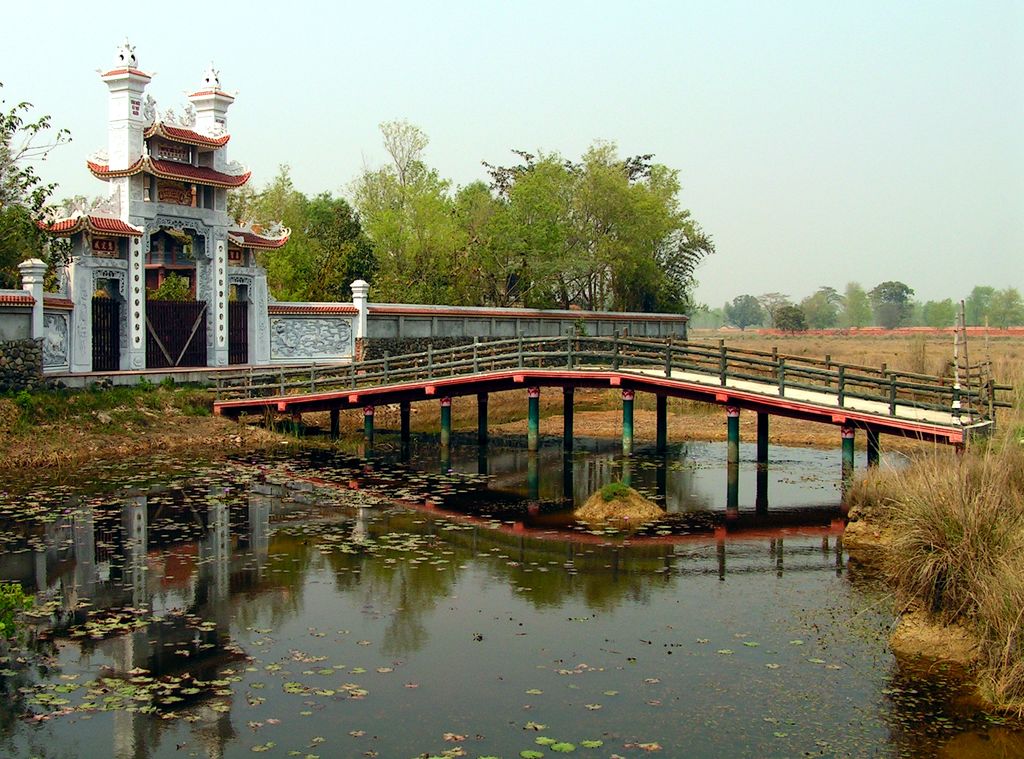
x=818 y=142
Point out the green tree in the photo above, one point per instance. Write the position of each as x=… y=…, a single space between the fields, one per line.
x=978 y=305
x=822 y=308
x=744 y=311
x=856 y=307
x=1006 y=308
x=23 y=195
x=891 y=303
x=939 y=313
x=771 y=303
x=790 y=318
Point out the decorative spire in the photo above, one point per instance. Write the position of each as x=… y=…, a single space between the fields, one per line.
x=211 y=79
x=125 y=56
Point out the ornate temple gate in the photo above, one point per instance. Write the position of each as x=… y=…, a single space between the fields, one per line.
x=106 y=335
x=238 y=332
x=175 y=334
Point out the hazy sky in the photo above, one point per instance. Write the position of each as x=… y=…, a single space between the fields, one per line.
x=818 y=142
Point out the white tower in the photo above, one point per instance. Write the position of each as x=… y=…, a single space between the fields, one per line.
x=211 y=104
x=126 y=121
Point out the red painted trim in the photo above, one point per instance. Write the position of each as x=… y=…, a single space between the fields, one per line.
x=398 y=309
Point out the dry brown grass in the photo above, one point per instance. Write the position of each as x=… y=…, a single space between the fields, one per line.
x=619 y=504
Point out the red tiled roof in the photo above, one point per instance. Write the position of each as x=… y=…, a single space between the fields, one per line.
x=249 y=239
x=311 y=308
x=97 y=224
x=50 y=301
x=172 y=170
x=11 y=299
x=118 y=72
x=203 y=93
x=200 y=174
x=187 y=136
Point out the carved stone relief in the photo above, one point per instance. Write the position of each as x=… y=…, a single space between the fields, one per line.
x=55 y=341
x=310 y=338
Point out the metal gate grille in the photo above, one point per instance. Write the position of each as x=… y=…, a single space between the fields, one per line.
x=106 y=335
x=238 y=332
x=175 y=334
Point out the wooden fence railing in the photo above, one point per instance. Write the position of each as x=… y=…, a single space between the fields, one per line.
x=977 y=395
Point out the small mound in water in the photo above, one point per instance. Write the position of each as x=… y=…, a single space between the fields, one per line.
x=617 y=502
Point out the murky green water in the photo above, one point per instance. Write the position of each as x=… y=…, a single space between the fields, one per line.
x=280 y=606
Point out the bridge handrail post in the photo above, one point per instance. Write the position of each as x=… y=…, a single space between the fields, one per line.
x=387 y=355
x=842 y=386
x=615 y=350
x=781 y=371
x=476 y=355
x=430 y=360
x=312 y=378
x=519 y=350
x=668 y=357
x=282 y=380
x=248 y=383
x=723 y=362
x=569 y=353
x=892 y=394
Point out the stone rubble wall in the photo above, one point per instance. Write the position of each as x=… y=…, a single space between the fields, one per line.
x=21 y=365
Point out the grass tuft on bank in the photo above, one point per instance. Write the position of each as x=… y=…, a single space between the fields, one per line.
x=957 y=550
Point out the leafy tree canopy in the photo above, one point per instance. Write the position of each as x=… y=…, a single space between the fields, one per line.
x=744 y=311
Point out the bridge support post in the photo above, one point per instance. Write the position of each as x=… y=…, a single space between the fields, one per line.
x=627 y=422
x=568 y=398
x=847 y=433
x=481 y=419
x=533 y=419
x=732 y=414
x=761 y=495
x=446 y=421
x=567 y=478
x=762 y=438
x=335 y=423
x=533 y=476
x=368 y=425
x=403 y=415
x=661 y=416
x=874 y=449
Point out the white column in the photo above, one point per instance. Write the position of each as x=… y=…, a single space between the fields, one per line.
x=219 y=301
x=80 y=287
x=135 y=308
x=360 y=291
x=260 y=324
x=32 y=272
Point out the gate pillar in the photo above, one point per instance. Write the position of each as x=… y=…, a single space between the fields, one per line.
x=135 y=309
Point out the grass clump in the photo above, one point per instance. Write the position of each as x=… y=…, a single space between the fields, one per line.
x=617 y=502
x=615 y=491
x=957 y=550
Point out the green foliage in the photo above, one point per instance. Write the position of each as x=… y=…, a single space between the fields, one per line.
x=614 y=491
x=174 y=288
x=23 y=196
x=13 y=601
x=790 y=318
x=744 y=311
x=977 y=305
x=891 y=303
x=938 y=313
x=821 y=310
x=856 y=309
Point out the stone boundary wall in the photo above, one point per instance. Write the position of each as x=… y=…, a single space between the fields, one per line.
x=21 y=365
x=375 y=347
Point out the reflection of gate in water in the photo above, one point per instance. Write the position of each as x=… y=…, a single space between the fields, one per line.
x=175 y=334
x=238 y=332
x=106 y=334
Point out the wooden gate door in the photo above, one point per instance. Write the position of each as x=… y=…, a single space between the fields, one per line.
x=175 y=334
x=106 y=335
x=238 y=332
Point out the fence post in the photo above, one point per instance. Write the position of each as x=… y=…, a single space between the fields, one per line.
x=892 y=395
x=430 y=360
x=615 y=350
x=723 y=362
x=668 y=358
x=387 y=355
x=282 y=380
x=842 y=386
x=520 y=350
x=476 y=357
x=248 y=383
x=568 y=360
x=782 y=376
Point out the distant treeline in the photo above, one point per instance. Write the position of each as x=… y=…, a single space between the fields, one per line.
x=890 y=304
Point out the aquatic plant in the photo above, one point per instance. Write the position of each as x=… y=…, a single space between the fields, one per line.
x=13 y=601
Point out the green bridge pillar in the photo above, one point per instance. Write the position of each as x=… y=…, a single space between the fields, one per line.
x=481 y=419
x=661 y=417
x=446 y=421
x=732 y=414
x=335 y=424
x=732 y=489
x=874 y=449
x=368 y=425
x=847 y=433
x=533 y=476
x=568 y=398
x=403 y=414
x=627 y=422
x=533 y=419
x=762 y=438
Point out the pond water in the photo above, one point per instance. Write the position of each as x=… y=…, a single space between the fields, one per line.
x=286 y=605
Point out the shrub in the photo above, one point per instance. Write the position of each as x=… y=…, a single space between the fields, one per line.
x=12 y=602
x=615 y=491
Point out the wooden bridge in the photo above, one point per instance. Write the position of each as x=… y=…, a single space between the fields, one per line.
x=850 y=396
